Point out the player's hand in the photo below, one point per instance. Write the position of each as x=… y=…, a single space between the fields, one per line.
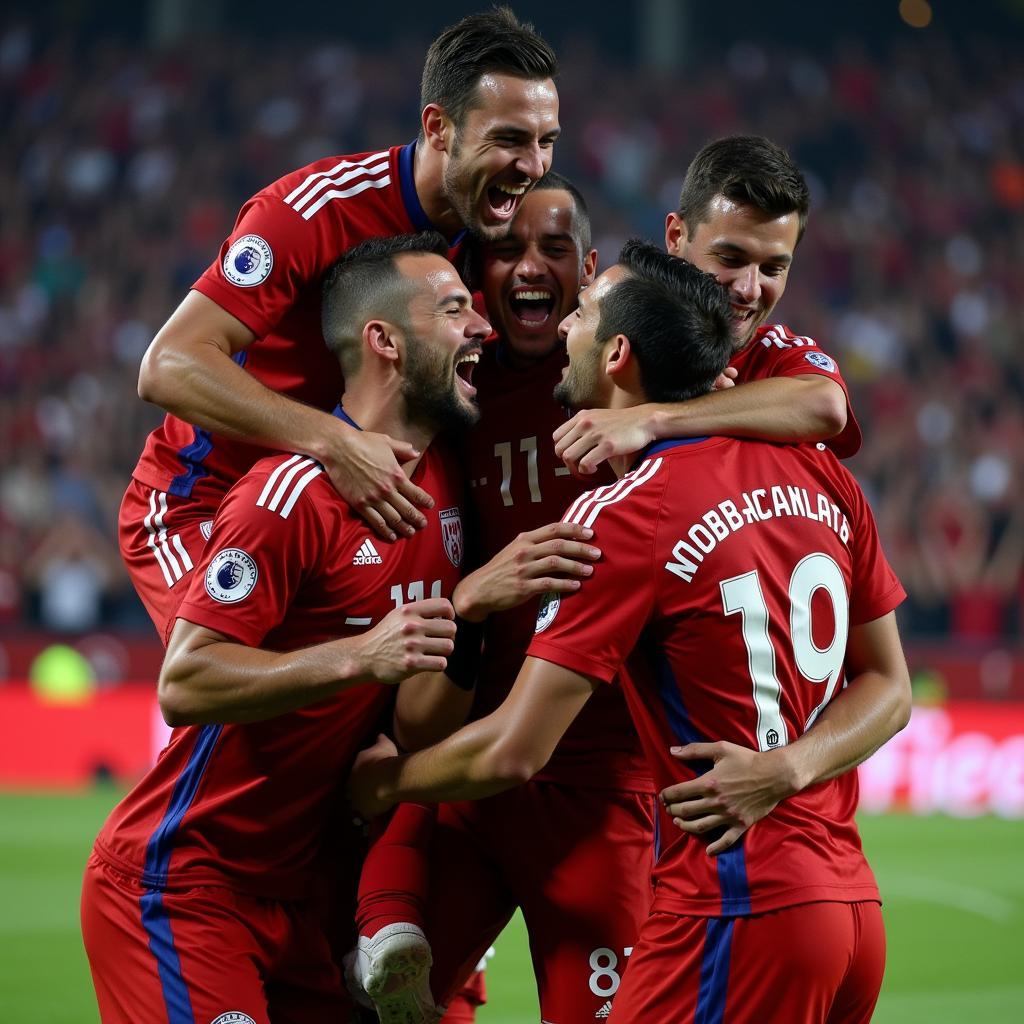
x=553 y=558
x=594 y=435
x=364 y=468
x=741 y=787
x=363 y=781
x=417 y=637
x=726 y=379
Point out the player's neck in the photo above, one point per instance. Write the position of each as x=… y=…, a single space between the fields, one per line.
x=383 y=410
x=428 y=177
x=620 y=399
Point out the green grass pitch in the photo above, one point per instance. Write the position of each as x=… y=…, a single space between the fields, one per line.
x=954 y=894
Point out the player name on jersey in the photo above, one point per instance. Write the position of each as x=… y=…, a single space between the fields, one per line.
x=760 y=504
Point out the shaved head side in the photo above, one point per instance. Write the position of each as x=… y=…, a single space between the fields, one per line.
x=368 y=284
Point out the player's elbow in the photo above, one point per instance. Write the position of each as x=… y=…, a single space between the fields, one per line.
x=512 y=764
x=903 y=702
x=830 y=409
x=177 y=702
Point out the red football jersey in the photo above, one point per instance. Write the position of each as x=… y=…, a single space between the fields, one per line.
x=731 y=574
x=775 y=351
x=269 y=275
x=516 y=483
x=288 y=565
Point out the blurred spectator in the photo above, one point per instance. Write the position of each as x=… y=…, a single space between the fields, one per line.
x=127 y=164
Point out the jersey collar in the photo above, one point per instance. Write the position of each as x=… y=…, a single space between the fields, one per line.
x=413 y=206
x=657 y=447
x=342 y=415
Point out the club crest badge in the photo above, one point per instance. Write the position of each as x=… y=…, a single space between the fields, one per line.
x=233 y=1017
x=549 y=605
x=451 y=534
x=231 y=576
x=248 y=262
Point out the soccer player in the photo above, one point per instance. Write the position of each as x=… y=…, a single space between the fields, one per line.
x=198 y=899
x=743 y=586
x=593 y=804
x=742 y=212
x=241 y=365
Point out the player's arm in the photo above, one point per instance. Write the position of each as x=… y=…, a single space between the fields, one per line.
x=805 y=407
x=208 y=677
x=744 y=785
x=189 y=371
x=504 y=749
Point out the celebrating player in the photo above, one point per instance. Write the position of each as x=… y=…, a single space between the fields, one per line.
x=594 y=801
x=197 y=899
x=743 y=586
x=742 y=212
x=488 y=126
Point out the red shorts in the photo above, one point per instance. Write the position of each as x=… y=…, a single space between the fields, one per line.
x=162 y=539
x=576 y=861
x=205 y=955
x=817 y=963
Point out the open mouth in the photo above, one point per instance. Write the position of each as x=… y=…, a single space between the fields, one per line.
x=743 y=315
x=503 y=199
x=464 y=367
x=531 y=307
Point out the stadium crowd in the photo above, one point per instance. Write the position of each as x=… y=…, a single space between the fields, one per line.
x=125 y=166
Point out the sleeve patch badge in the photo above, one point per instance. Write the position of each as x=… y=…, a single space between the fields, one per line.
x=549 y=605
x=248 y=262
x=231 y=576
x=821 y=360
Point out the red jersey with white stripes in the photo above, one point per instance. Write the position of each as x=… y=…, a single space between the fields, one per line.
x=732 y=572
x=775 y=351
x=288 y=565
x=516 y=484
x=268 y=275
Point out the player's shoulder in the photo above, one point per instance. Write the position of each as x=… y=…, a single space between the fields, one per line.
x=627 y=502
x=282 y=484
x=781 y=336
x=778 y=340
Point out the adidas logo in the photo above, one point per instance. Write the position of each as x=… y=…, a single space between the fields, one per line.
x=605 y=1012
x=367 y=555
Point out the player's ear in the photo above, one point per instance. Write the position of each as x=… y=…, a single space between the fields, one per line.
x=617 y=356
x=382 y=339
x=589 y=271
x=675 y=234
x=438 y=129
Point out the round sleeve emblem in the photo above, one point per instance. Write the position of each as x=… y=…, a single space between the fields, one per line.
x=549 y=605
x=820 y=359
x=231 y=576
x=248 y=262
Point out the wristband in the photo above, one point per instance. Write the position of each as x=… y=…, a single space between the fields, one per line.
x=464 y=661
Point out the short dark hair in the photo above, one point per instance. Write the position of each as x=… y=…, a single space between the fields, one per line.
x=747 y=169
x=491 y=42
x=553 y=181
x=677 y=318
x=366 y=283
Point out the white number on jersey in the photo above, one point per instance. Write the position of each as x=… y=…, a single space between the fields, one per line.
x=743 y=594
x=413 y=592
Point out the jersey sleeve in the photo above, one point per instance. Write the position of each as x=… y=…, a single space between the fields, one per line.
x=802 y=356
x=876 y=590
x=272 y=255
x=254 y=563
x=593 y=630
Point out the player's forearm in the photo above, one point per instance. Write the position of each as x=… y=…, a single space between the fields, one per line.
x=230 y=682
x=201 y=384
x=865 y=716
x=777 y=409
x=472 y=763
x=429 y=708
